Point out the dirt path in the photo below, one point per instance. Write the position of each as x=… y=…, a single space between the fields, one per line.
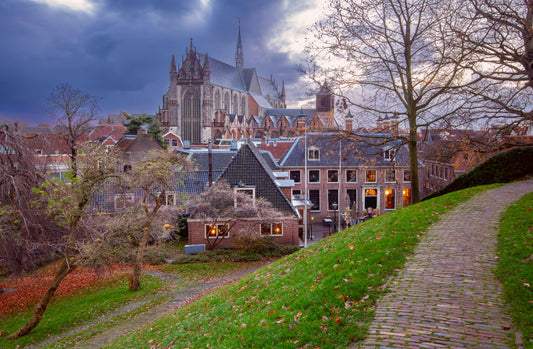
x=447 y=295
x=177 y=297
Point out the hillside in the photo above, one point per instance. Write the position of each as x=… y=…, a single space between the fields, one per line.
x=323 y=296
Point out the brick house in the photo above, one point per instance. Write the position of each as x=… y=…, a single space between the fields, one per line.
x=250 y=172
x=351 y=173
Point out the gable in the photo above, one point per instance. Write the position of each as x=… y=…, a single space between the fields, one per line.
x=248 y=167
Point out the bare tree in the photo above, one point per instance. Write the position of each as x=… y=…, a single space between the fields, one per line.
x=24 y=230
x=396 y=57
x=222 y=208
x=66 y=201
x=72 y=110
x=501 y=38
x=153 y=176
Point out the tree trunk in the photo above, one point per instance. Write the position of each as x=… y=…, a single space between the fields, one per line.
x=413 y=162
x=135 y=278
x=38 y=312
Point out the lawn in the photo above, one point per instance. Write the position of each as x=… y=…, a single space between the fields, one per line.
x=515 y=269
x=323 y=296
x=66 y=312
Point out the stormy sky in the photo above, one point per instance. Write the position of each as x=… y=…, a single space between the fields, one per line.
x=120 y=50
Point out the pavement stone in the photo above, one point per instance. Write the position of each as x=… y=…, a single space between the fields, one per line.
x=447 y=295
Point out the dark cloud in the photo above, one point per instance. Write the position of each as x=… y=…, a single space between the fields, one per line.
x=122 y=51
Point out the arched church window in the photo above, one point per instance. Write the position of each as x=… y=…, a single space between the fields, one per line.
x=235 y=106
x=226 y=101
x=217 y=99
x=243 y=105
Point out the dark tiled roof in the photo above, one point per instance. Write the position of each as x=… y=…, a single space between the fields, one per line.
x=249 y=167
x=356 y=153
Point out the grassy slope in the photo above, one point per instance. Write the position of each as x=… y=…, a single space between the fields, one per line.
x=515 y=268
x=320 y=296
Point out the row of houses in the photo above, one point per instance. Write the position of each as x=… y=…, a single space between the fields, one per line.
x=344 y=177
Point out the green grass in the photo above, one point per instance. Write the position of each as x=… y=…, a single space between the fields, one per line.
x=321 y=296
x=76 y=309
x=515 y=269
x=195 y=272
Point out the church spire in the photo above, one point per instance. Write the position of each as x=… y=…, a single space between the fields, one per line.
x=239 y=59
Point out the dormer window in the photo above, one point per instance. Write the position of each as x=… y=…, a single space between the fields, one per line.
x=389 y=154
x=313 y=154
x=250 y=191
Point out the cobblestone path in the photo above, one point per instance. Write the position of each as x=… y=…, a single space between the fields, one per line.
x=447 y=295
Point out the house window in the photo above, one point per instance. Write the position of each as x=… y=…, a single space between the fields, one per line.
x=406 y=197
x=246 y=191
x=166 y=142
x=271 y=229
x=351 y=176
x=296 y=192
x=127 y=168
x=216 y=231
x=390 y=176
x=123 y=201
x=295 y=176
x=371 y=176
x=390 y=199
x=389 y=154
x=39 y=151
x=370 y=198
x=314 y=197
x=314 y=176
x=407 y=176
x=351 y=197
x=446 y=173
x=174 y=142
x=333 y=199
x=333 y=176
x=313 y=154
x=172 y=199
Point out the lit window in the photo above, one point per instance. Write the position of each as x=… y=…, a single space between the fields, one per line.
x=390 y=199
x=390 y=176
x=333 y=176
x=406 y=197
x=216 y=231
x=271 y=229
x=351 y=176
x=370 y=176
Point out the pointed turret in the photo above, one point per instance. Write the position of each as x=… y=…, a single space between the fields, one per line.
x=239 y=59
x=173 y=65
x=206 y=69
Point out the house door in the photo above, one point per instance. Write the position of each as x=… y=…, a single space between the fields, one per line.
x=370 y=198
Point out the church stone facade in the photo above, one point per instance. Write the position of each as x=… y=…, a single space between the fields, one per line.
x=204 y=93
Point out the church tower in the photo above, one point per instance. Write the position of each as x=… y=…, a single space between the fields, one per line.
x=239 y=59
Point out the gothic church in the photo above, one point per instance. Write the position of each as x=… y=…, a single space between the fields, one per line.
x=205 y=92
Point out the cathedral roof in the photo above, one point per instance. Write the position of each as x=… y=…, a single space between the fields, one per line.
x=260 y=100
